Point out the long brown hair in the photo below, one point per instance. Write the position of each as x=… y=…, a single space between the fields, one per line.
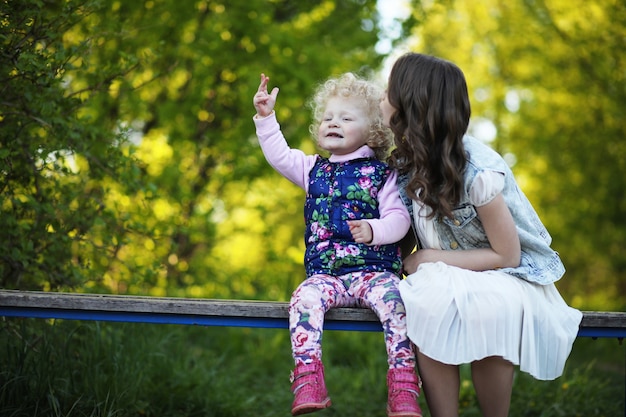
x=432 y=114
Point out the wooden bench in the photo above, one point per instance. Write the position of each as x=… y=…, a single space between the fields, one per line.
x=212 y=312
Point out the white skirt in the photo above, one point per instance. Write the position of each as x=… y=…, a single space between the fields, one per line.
x=457 y=316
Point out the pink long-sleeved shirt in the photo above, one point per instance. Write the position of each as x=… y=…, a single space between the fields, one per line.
x=295 y=165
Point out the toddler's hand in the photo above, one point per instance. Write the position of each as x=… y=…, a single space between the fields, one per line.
x=264 y=102
x=361 y=231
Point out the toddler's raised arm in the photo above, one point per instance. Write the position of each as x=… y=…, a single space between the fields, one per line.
x=263 y=101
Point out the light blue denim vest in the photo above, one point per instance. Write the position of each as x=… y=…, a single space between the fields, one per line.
x=539 y=263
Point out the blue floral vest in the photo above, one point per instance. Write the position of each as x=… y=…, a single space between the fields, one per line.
x=338 y=192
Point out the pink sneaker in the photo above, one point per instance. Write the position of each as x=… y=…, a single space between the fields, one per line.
x=404 y=389
x=309 y=388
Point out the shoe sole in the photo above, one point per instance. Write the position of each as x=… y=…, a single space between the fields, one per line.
x=403 y=414
x=310 y=407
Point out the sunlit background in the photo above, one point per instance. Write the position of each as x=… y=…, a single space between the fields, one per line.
x=149 y=179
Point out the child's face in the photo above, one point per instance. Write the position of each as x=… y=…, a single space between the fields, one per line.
x=344 y=127
x=386 y=109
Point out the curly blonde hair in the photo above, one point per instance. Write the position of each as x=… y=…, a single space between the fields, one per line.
x=349 y=85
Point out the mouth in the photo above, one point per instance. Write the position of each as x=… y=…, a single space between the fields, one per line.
x=334 y=135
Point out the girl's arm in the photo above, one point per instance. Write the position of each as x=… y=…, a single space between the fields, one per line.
x=394 y=221
x=505 y=250
x=293 y=164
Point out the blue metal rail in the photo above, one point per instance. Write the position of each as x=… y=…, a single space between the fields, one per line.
x=228 y=321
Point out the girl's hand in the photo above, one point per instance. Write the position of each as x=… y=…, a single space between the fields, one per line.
x=361 y=231
x=263 y=101
x=504 y=250
x=411 y=262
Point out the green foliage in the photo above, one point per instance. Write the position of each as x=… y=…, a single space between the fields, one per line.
x=551 y=77
x=130 y=158
x=78 y=369
x=85 y=369
x=129 y=162
x=55 y=160
x=189 y=104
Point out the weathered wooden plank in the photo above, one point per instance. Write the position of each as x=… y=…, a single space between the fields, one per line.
x=166 y=305
x=217 y=307
x=612 y=319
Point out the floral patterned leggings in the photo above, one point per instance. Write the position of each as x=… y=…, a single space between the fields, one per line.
x=377 y=291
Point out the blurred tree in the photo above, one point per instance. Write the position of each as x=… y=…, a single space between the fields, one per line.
x=551 y=76
x=56 y=161
x=209 y=217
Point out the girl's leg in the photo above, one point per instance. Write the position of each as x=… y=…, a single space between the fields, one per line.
x=309 y=302
x=379 y=292
x=441 y=386
x=493 y=381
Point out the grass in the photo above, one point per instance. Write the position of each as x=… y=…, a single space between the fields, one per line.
x=67 y=368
